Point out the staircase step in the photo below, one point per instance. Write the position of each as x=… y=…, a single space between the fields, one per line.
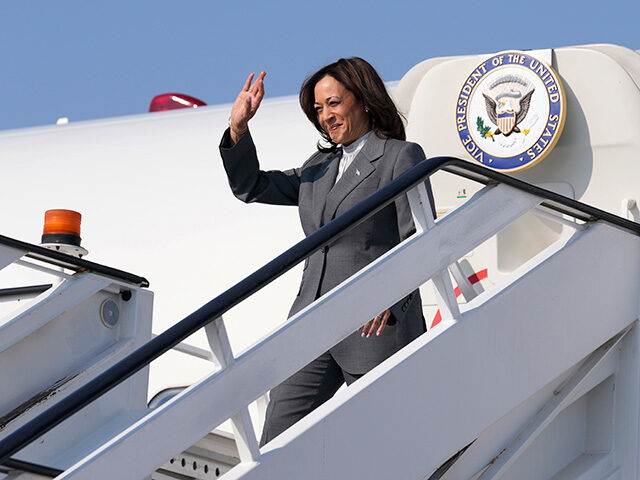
x=209 y=458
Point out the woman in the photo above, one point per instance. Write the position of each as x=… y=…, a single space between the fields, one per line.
x=363 y=149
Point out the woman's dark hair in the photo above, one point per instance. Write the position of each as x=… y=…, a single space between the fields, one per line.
x=361 y=79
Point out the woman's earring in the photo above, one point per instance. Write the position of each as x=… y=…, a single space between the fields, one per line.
x=366 y=110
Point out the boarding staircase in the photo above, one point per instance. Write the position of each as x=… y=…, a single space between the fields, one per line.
x=535 y=378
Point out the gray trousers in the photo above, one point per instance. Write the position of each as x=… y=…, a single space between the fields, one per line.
x=303 y=392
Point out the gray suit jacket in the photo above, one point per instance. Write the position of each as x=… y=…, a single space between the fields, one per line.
x=311 y=187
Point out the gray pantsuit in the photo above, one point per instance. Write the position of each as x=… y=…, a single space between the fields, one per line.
x=311 y=188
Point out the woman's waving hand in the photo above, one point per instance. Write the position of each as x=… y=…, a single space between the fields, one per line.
x=246 y=105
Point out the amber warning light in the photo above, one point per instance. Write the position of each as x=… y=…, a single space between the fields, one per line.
x=62 y=231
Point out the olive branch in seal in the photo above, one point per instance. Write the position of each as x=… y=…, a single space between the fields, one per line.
x=485 y=132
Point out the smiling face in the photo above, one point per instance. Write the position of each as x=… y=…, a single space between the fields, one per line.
x=339 y=112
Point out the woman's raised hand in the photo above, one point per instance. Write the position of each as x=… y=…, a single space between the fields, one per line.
x=246 y=105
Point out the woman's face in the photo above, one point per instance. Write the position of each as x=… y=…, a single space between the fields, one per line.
x=339 y=112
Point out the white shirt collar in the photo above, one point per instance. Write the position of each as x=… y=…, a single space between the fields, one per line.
x=349 y=152
x=356 y=146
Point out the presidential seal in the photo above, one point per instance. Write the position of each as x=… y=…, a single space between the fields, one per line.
x=510 y=111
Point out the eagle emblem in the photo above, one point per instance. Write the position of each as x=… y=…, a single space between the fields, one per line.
x=507 y=103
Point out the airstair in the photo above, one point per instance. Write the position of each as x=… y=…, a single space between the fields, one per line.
x=535 y=378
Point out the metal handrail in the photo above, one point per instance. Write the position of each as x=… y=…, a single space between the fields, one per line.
x=13 y=464
x=60 y=259
x=277 y=267
x=21 y=292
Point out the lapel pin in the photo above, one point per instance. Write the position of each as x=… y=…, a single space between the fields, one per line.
x=357 y=172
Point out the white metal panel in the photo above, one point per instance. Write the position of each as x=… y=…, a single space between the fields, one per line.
x=493 y=439
x=48 y=306
x=562 y=397
x=76 y=343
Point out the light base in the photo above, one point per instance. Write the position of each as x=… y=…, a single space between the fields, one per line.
x=73 y=250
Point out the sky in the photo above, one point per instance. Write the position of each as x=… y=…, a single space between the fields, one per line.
x=89 y=60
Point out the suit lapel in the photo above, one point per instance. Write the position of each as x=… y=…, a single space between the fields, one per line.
x=360 y=168
x=323 y=182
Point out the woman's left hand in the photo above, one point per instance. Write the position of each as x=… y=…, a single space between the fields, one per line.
x=246 y=105
x=376 y=325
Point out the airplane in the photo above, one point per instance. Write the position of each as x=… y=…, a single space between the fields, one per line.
x=547 y=254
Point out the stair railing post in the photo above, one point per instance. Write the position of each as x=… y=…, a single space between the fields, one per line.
x=244 y=433
x=424 y=220
x=466 y=288
x=262 y=403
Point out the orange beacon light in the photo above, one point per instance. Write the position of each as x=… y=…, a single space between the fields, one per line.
x=62 y=232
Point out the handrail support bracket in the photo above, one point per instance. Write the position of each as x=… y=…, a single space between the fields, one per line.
x=424 y=220
x=243 y=431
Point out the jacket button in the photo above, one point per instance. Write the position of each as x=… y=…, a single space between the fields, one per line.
x=404 y=307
